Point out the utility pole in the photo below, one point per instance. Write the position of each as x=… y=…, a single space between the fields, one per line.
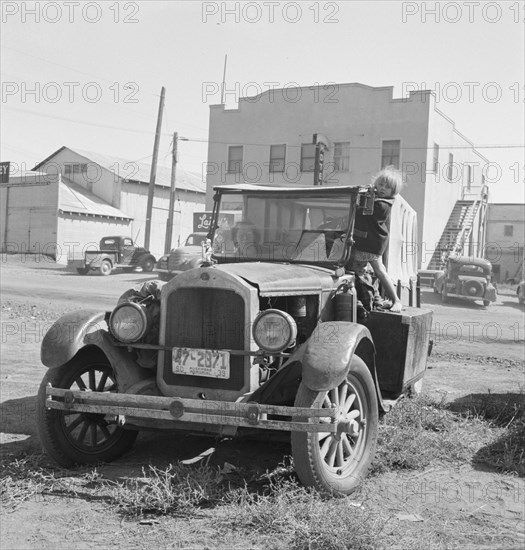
x=223 y=79
x=153 y=174
x=169 y=221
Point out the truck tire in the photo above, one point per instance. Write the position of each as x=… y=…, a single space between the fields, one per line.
x=105 y=268
x=335 y=464
x=72 y=438
x=148 y=264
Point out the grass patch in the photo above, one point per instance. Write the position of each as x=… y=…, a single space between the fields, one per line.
x=175 y=490
x=293 y=517
x=21 y=480
x=507 y=452
x=420 y=431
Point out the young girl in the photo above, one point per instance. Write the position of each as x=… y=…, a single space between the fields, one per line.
x=371 y=232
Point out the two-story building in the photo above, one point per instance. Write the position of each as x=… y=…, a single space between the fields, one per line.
x=275 y=137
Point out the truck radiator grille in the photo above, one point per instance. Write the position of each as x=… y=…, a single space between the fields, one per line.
x=205 y=318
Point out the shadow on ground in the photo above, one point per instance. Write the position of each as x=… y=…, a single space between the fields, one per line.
x=507 y=410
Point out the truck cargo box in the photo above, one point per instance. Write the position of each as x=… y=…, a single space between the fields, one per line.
x=401 y=341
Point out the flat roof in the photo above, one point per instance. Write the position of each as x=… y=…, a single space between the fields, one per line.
x=268 y=188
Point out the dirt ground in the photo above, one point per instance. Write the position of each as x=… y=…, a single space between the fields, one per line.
x=477 y=351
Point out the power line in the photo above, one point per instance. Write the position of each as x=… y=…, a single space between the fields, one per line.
x=202 y=140
x=85 y=122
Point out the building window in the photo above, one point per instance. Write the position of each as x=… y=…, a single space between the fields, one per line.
x=508 y=230
x=450 y=167
x=277 y=158
x=390 y=153
x=435 y=159
x=307 y=157
x=469 y=176
x=235 y=159
x=342 y=156
x=75 y=168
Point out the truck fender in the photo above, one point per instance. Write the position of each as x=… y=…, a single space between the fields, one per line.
x=80 y=329
x=329 y=351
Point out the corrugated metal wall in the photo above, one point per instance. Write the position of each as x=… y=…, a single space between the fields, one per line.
x=29 y=218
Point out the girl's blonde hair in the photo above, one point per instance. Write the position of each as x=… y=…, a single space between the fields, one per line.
x=388 y=182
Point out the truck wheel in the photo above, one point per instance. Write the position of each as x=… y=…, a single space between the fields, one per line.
x=148 y=264
x=332 y=463
x=82 y=270
x=105 y=268
x=75 y=438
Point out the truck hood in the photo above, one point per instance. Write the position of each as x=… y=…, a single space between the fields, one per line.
x=284 y=279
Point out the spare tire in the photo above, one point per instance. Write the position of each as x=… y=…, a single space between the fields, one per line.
x=473 y=288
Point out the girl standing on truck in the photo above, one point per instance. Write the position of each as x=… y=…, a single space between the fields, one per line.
x=371 y=232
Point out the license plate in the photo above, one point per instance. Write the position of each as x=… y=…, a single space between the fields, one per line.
x=201 y=362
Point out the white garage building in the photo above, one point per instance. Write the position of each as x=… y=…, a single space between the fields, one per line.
x=73 y=198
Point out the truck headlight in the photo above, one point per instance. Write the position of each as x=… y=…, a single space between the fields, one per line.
x=129 y=322
x=274 y=330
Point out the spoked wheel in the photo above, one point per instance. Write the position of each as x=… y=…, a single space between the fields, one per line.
x=74 y=438
x=336 y=463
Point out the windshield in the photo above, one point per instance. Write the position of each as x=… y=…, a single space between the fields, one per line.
x=195 y=239
x=275 y=227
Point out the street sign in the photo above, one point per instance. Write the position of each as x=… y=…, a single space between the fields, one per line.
x=4 y=172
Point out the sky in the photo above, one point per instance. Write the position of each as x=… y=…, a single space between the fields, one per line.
x=88 y=74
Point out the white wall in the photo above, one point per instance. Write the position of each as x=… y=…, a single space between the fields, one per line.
x=134 y=203
x=31 y=215
x=76 y=234
x=99 y=181
x=506 y=251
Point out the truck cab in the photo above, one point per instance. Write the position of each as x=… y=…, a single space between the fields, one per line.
x=115 y=252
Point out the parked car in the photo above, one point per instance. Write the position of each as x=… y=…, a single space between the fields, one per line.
x=261 y=336
x=181 y=259
x=116 y=252
x=466 y=278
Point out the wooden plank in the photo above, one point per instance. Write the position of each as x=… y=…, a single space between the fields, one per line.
x=206 y=407
x=194 y=417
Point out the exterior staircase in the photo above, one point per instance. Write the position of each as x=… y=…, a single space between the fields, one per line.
x=456 y=232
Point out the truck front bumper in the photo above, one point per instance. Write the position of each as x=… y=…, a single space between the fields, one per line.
x=124 y=407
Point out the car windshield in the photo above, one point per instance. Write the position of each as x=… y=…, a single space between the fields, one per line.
x=195 y=239
x=303 y=227
x=473 y=270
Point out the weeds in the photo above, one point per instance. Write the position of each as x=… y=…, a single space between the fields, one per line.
x=176 y=490
x=291 y=516
x=420 y=431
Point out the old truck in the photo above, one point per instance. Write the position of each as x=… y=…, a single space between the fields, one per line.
x=261 y=336
x=115 y=252
x=181 y=259
x=189 y=256
x=466 y=278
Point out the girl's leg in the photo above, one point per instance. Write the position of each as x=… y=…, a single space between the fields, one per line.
x=382 y=275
